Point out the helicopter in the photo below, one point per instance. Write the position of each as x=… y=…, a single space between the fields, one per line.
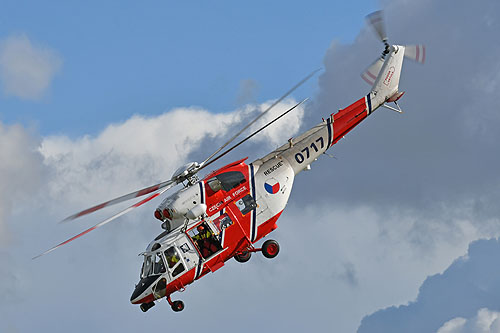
x=225 y=213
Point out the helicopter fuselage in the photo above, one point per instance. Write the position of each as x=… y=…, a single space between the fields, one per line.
x=224 y=214
x=239 y=205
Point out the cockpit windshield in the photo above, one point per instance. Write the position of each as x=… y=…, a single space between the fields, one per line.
x=154 y=263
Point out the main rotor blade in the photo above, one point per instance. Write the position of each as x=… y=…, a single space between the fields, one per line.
x=168 y=184
x=260 y=115
x=376 y=19
x=100 y=224
x=254 y=133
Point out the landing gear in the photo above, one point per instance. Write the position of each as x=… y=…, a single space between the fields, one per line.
x=243 y=256
x=270 y=248
x=177 y=306
x=146 y=306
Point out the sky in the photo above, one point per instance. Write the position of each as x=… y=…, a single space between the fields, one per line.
x=398 y=233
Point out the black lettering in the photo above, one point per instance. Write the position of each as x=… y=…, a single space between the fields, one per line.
x=306 y=150
x=299 y=158
x=314 y=147
x=322 y=143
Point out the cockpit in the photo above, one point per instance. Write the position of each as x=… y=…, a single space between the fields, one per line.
x=159 y=262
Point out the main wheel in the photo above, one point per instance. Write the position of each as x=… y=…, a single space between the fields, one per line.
x=270 y=248
x=243 y=257
x=177 y=306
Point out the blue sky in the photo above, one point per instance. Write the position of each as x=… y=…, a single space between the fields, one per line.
x=100 y=99
x=122 y=58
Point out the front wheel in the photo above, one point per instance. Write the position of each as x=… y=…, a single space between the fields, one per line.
x=178 y=306
x=270 y=248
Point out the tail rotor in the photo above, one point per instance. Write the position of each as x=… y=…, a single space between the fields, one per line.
x=412 y=52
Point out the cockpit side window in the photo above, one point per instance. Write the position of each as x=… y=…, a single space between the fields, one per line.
x=147 y=266
x=230 y=180
x=174 y=260
x=171 y=256
x=159 y=266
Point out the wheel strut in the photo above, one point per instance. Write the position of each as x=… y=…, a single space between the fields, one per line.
x=175 y=305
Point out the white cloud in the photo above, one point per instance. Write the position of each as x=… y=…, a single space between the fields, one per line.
x=26 y=69
x=20 y=171
x=76 y=173
x=145 y=150
x=486 y=321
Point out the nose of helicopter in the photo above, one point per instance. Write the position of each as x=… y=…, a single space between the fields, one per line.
x=142 y=292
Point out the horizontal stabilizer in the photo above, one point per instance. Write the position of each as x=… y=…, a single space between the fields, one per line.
x=415 y=53
x=371 y=73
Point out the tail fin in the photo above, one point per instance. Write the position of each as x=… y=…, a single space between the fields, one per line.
x=387 y=82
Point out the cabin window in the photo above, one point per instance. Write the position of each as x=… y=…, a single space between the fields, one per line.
x=230 y=180
x=246 y=204
x=178 y=270
x=160 y=289
x=223 y=222
x=214 y=184
x=205 y=240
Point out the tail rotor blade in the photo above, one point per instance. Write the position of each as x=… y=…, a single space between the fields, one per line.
x=376 y=19
x=100 y=224
x=371 y=73
x=415 y=53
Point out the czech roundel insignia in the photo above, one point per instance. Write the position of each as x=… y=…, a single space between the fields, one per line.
x=272 y=186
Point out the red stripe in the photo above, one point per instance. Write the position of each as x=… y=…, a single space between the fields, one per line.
x=146 y=200
x=75 y=237
x=366 y=79
x=371 y=75
x=147 y=190
x=92 y=209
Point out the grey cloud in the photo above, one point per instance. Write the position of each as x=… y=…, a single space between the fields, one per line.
x=348 y=274
x=247 y=91
x=443 y=147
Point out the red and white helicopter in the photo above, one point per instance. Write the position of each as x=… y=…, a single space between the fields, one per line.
x=223 y=215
